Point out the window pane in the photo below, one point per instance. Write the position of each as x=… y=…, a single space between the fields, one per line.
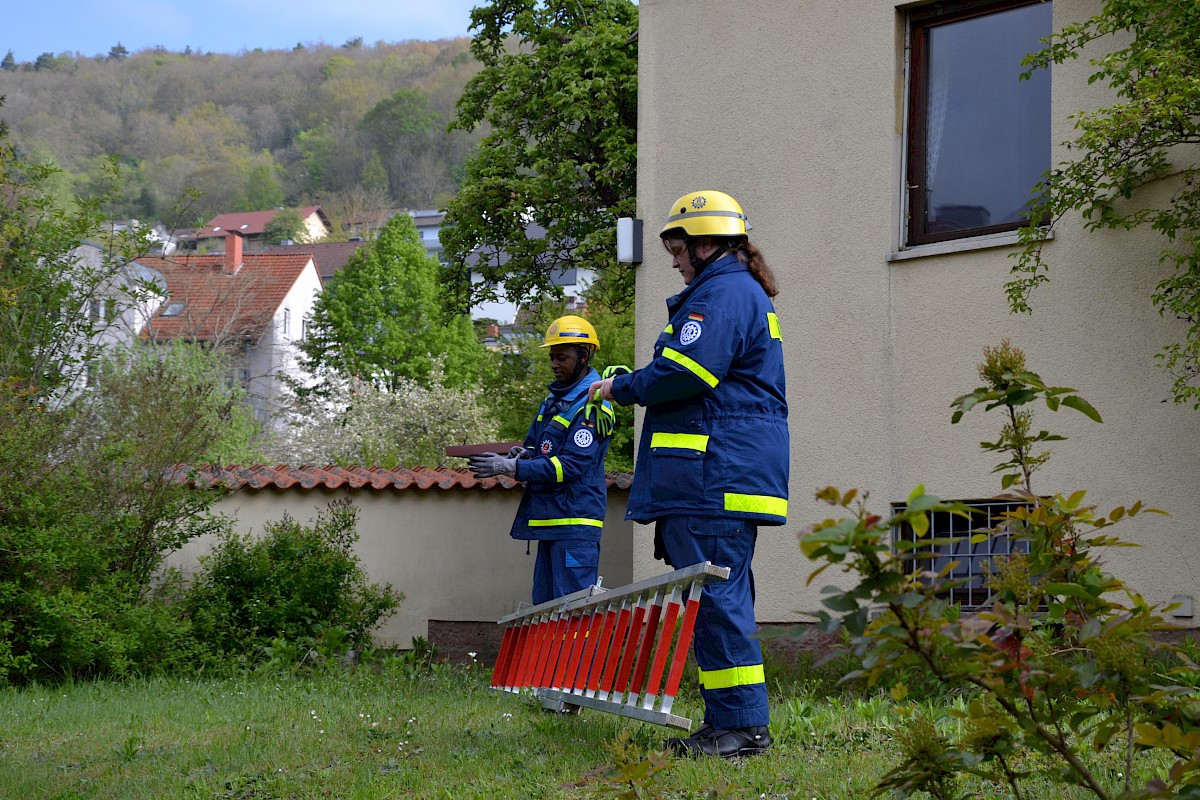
x=980 y=137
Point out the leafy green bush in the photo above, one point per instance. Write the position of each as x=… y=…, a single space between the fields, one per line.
x=291 y=586
x=1062 y=664
x=90 y=434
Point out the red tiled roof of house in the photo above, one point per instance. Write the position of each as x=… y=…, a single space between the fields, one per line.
x=217 y=305
x=247 y=223
x=329 y=256
x=373 y=478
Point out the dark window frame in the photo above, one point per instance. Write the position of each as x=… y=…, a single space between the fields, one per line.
x=920 y=20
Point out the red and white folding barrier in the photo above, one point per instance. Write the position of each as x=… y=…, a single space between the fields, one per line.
x=608 y=649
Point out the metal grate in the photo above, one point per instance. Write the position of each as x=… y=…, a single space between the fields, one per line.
x=972 y=558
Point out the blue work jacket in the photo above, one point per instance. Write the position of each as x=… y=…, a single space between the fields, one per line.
x=714 y=440
x=566 y=494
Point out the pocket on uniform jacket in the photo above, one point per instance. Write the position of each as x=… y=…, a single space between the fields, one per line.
x=676 y=474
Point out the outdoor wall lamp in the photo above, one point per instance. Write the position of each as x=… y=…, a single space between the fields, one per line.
x=629 y=240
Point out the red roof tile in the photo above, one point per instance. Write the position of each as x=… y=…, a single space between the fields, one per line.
x=329 y=256
x=217 y=305
x=374 y=478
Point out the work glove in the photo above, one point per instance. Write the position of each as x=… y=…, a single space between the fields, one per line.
x=602 y=416
x=488 y=465
x=518 y=452
x=614 y=371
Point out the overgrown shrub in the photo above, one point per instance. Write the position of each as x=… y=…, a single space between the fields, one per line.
x=1063 y=662
x=294 y=584
x=89 y=500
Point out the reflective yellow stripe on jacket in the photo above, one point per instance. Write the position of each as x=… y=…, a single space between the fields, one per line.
x=550 y=523
x=691 y=366
x=680 y=441
x=756 y=503
x=734 y=676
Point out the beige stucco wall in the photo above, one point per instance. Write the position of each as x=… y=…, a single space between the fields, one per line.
x=448 y=551
x=795 y=108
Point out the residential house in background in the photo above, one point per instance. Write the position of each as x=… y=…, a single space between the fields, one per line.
x=160 y=240
x=573 y=281
x=113 y=300
x=329 y=257
x=332 y=256
x=427 y=221
x=252 y=224
x=256 y=303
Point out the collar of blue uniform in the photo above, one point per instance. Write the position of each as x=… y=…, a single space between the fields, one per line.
x=724 y=265
x=573 y=391
x=571 y=397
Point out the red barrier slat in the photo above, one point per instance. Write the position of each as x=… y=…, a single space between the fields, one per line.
x=683 y=646
x=614 y=652
x=544 y=647
x=554 y=638
x=564 y=659
x=663 y=649
x=522 y=654
x=589 y=649
x=643 y=660
x=601 y=657
x=501 y=670
x=635 y=630
x=535 y=645
x=576 y=655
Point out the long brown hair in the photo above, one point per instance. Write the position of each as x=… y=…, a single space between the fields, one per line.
x=752 y=257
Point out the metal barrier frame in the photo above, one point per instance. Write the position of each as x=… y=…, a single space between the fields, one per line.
x=608 y=649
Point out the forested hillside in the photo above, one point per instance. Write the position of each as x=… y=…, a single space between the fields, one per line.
x=350 y=128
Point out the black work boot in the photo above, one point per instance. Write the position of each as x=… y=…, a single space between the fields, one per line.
x=679 y=745
x=724 y=743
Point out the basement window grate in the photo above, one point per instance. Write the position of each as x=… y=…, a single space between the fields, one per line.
x=972 y=559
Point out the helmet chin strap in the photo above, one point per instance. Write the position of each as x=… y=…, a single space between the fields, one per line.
x=581 y=365
x=699 y=265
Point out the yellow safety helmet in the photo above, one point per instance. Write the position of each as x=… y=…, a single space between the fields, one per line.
x=706 y=213
x=571 y=330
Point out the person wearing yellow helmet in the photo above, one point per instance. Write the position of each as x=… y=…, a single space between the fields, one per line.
x=566 y=337
x=561 y=462
x=713 y=458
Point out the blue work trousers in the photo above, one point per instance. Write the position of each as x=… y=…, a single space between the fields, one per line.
x=563 y=566
x=729 y=657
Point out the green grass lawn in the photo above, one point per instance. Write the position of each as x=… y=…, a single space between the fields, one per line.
x=395 y=731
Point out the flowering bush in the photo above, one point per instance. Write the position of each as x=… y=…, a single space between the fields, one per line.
x=360 y=423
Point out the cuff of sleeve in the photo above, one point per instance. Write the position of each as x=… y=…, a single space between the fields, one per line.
x=621 y=389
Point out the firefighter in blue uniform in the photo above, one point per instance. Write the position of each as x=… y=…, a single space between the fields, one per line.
x=562 y=465
x=713 y=458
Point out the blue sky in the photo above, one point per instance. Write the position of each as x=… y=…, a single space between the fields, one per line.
x=91 y=27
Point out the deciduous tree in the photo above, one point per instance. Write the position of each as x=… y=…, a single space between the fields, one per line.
x=384 y=320
x=559 y=92
x=1134 y=162
x=286 y=225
